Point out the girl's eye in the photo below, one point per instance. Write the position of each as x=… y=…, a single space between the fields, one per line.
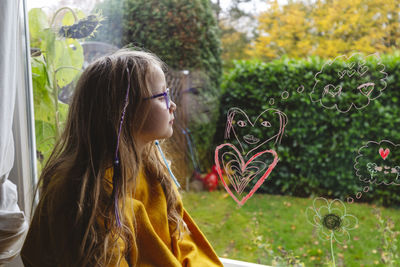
x=242 y=123
x=266 y=124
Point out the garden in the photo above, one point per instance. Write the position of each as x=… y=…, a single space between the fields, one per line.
x=286 y=141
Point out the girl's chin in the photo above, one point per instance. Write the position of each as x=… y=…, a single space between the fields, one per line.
x=169 y=134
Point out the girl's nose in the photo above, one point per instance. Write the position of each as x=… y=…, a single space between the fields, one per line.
x=172 y=106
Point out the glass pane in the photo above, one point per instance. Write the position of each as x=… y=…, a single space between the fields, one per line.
x=286 y=138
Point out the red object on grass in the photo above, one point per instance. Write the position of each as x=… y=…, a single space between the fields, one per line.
x=211 y=181
x=214 y=169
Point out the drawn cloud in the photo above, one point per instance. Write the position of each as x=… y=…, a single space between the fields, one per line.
x=378 y=163
x=355 y=85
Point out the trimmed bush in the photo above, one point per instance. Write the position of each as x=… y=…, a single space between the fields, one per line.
x=319 y=147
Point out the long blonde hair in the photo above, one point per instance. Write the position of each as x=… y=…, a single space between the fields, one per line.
x=72 y=181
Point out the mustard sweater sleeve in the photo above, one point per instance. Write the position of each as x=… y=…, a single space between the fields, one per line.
x=194 y=249
x=156 y=246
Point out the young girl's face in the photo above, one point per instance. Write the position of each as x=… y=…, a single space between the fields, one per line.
x=158 y=124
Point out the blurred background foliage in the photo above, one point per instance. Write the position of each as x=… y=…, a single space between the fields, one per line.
x=328 y=28
x=301 y=28
x=285 y=44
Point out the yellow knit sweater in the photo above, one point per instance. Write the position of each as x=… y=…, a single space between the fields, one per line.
x=155 y=244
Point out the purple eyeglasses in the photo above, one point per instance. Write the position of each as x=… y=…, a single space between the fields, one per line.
x=166 y=96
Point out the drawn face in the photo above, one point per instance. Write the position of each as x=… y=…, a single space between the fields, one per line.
x=384 y=173
x=268 y=126
x=379 y=163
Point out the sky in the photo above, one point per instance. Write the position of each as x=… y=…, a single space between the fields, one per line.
x=254 y=6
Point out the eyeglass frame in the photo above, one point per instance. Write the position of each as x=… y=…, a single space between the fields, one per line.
x=166 y=95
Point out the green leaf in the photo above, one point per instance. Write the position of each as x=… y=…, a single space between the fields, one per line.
x=48 y=45
x=42 y=94
x=68 y=62
x=45 y=139
x=44 y=107
x=63 y=113
x=38 y=21
x=69 y=18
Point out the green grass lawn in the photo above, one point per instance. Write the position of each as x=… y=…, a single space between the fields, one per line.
x=267 y=226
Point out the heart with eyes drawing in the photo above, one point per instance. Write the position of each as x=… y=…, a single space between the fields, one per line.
x=239 y=173
x=251 y=136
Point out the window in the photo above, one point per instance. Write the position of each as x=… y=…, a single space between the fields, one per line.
x=304 y=132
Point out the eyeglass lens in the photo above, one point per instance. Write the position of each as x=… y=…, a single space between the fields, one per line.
x=167 y=98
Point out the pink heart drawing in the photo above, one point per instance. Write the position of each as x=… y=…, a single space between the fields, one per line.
x=362 y=62
x=341 y=74
x=351 y=65
x=384 y=153
x=332 y=90
x=362 y=70
x=351 y=72
x=366 y=88
x=240 y=173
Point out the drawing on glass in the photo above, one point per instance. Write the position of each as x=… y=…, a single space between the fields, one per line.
x=377 y=163
x=247 y=158
x=285 y=95
x=332 y=222
x=355 y=86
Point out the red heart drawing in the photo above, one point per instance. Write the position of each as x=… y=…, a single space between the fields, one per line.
x=384 y=153
x=245 y=175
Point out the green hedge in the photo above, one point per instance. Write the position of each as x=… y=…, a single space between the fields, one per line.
x=319 y=147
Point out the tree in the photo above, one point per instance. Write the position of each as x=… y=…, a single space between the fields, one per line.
x=234 y=44
x=327 y=28
x=283 y=31
x=237 y=30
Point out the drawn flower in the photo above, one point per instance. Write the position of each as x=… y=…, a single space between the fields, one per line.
x=331 y=219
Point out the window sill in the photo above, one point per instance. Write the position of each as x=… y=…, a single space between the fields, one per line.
x=235 y=263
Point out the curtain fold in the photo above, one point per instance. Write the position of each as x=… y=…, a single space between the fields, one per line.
x=13 y=224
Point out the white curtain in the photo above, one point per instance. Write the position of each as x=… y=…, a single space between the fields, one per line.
x=13 y=224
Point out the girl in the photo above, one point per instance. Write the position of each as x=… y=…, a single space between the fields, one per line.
x=107 y=196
